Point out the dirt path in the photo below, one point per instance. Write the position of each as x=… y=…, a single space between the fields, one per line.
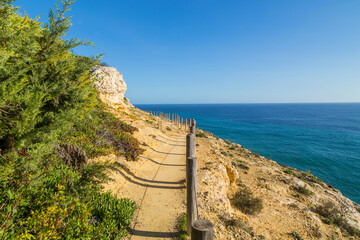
x=164 y=195
x=157 y=184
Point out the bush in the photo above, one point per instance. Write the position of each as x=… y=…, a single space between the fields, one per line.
x=296 y=235
x=303 y=190
x=201 y=135
x=332 y=215
x=248 y=204
x=182 y=221
x=102 y=133
x=111 y=216
x=48 y=103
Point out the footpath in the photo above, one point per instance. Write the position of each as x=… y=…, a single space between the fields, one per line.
x=157 y=184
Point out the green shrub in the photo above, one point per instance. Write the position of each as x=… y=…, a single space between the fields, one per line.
x=296 y=235
x=303 y=190
x=243 y=166
x=47 y=101
x=201 y=135
x=247 y=203
x=182 y=221
x=102 y=133
x=224 y=153
x=332 y=215
x=111 y=216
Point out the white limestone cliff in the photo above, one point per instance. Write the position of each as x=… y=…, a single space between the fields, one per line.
x=111 y=86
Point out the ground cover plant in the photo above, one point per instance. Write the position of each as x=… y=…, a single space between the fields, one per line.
x=50 y=124
x=331 y=214
x=246 y=202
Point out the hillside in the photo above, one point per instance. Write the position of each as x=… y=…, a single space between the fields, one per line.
x=292 y=204
x=78 y=161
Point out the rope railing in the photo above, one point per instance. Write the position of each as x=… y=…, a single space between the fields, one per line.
x=198 y=229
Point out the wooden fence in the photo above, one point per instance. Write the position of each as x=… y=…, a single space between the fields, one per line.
x=198 y=229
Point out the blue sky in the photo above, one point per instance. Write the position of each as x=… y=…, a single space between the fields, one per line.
x=223 y=51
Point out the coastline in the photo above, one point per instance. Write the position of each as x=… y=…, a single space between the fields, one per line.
x=291 y=199
x=319 y=138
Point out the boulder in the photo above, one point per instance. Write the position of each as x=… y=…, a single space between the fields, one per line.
x=110 y=85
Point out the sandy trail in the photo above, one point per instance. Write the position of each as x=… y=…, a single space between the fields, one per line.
x=157 y=184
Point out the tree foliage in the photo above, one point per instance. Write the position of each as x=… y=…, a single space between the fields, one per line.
x=47 y=98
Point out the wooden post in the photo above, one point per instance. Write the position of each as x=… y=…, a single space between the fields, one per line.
x=191 y=205
x=193 y=123
x=160 y=125
x=202 y=230
x=190 y=145
x=186 y=124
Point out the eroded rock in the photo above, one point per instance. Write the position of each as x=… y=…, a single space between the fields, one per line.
x=110 y=85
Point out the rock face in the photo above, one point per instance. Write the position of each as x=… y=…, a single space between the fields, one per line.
x=110 y=85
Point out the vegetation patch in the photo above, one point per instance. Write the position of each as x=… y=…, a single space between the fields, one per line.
x=235 y=224
x=182 y=222
x=310 y=178
x=247 y=203
x=50 y=124
x=101 y=133
x=201 y=135
x=296 y=235
x=243 y=166
x=289 y=171
x=224 y=153
x=333 y=215
x=303 y=190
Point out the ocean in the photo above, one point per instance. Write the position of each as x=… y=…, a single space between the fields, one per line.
x=321 y=138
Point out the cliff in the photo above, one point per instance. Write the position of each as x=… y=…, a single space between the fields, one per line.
x=111 y=86
x=248 y=196
x=245 y=195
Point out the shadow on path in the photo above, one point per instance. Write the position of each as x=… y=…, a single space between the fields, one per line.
x=154 y=234
x=148 y=185
x=174 y=140
x=169 y=143
x=127 y=170
x=163 y=164
x=164 y=152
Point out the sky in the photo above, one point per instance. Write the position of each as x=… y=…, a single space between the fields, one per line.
x=223 y=51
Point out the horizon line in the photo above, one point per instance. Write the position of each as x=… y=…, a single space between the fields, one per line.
x=246 y=103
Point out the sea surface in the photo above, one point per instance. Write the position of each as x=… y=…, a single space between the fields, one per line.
x=323 y=138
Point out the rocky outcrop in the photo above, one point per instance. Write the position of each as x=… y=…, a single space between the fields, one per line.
x=110 y=85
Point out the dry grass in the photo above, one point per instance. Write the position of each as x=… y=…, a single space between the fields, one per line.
x=247 y=203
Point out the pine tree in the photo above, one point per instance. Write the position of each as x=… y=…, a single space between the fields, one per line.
x=44 y=87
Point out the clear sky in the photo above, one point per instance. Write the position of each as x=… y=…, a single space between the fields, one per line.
x=223 y=51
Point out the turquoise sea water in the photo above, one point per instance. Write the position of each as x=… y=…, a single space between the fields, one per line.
x=321 y=138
